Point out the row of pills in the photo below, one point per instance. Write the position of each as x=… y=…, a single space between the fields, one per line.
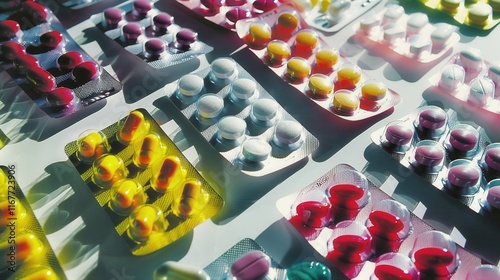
x=150 y=34
x=239 y=118
x=409 y=35
x=58 y=75
x=154 y=194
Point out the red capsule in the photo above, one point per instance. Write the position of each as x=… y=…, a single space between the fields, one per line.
x=60 y=96
x=35 y=11
x=24 y=62
x=86 y=72
x=11 y=50
x=8 y=29
x=41 y=79
x=69 y=60
x=51 y=39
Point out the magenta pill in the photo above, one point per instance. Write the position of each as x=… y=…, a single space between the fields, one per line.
x=212 y=5
x=493 y=197
x=8 y=29
x=86 y=72
x=42 y=80
x=463 y=139
x=112 y=17
x=432 y=118
x=161 y=22
x=492 y=158
x=11 y=50
x=142 y=7
x=265 y=5
x=60 y=97
x=51 y=39
x=186 y=36
x=235 y=3
x=398 y=134
x=250 y=266
x=154 y=48
x=236 y=14
x=69 y=60
x=131 y=32
x=429 y=155
x=463 y=176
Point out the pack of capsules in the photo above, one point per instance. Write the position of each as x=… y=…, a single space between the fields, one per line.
x=26 y=252
x=38 y=53
x=454 y=156
x=366 y=234
x=468 y=81
x=410 y=36
x=150 y=34
x=227 y=13
x=246 y=260
x=482 y=14
x=283 y=41
x=241 y=120
x=148 y=188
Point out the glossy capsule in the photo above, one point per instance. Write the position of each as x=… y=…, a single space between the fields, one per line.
x=8 y=29
x=175 y=270
x=278 y=51
x=51 y=39
x=297 y=69
x=191 y=199
x=42 y=80
x=134 y=126
x=126 y=195
x=44 y=273
x=144 y=222
x=9 y=211
x=150 y=149
x=85 y=72
x=168 y=174
x=259 y=35
x=11 y=50
x=107 y=170
x=91 y=145
x=28 y=246
x=69 y=60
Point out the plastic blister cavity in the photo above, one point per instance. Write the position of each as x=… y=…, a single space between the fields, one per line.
x=145 y=184
x=150 y=34
x=240 y=118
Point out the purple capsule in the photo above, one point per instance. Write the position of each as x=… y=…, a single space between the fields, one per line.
x=142 y=7
x=154 y=48
x=252 y=265
x=186 y=36
x=161 y=22
x=236 y=14
x=429 y=156
x=463 y=139
x=398 y=134
x=131 y=32
x=112 y=17
x=60 y=96
x=492 y=158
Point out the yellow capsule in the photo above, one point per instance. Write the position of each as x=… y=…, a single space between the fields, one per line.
x=169 y=174
x=278 y=51
x=326 y=58
x=324 y=5
x=151 y=149
x=349 y=75
x=134 y=125
x=345 y=102
x=145 y=221
x=298 y=68
x=108 y=169
x=287 y=22
x=125 y=194
x=373 y=90
x=3 y=179
x=259 y=34
x=189 y=198
x=11 y=211
x=320 y=84
x=26 y=247
x=306 y=41
x=42 y=274
x=92 y=146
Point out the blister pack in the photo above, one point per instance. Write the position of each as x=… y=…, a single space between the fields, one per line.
x=77 y=4
x=150 y=34
x=379 y=239
x=227 y=13
x=148 y=188
x=283 y=41
x=4 y=139
x=456 y=157
x=482 y=14
x=241 y=120
x=38 y=53
x=410 y=36
x=470 y=82
x=26 y=252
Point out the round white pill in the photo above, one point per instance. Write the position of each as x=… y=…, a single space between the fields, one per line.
x=223 y=68
x=264 y=111
x=441 y=35
x=480 y=90
x=288 y=132
x=209 y=106
x=471 y=59
x=231 y=128
x=243 y=89
x=393 y=14
x=452 y=77
x=416 y=22
x=256 y=150
x=190 y=85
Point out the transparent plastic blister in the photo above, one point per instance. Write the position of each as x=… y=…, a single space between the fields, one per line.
x=283 y=41
x=150 y=34
x=25 y=249
x=48 y=65
x=143 y=182
x=469 y=81
x=331 y=16
x=482 y=14
x=227 y=13
x=383 y=240
x=410 y=36
x=240 y=118
x=447 y=153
